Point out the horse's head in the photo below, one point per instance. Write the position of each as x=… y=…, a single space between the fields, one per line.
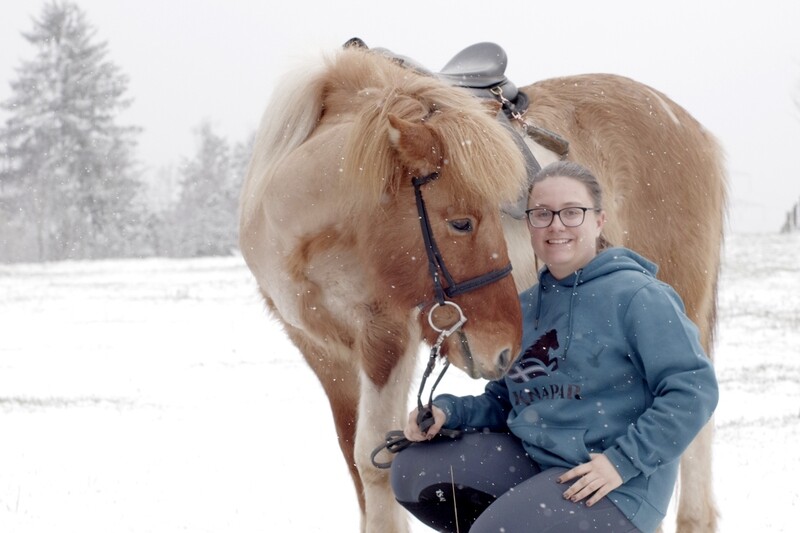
x=425 y=129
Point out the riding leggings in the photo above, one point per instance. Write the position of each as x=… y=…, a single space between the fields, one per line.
x=486 y=483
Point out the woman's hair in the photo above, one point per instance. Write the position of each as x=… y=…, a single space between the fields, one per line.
x=570 y=169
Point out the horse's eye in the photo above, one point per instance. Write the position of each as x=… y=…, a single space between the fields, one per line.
x=464 y=225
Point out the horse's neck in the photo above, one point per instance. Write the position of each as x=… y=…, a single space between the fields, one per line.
x=295 y=243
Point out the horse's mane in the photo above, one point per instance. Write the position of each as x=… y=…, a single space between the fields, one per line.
x=290 y=117
x=479 y=156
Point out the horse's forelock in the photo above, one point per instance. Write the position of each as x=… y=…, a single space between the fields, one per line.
x=480 y=157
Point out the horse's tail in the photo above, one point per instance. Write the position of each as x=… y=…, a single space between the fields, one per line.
x=291 y=115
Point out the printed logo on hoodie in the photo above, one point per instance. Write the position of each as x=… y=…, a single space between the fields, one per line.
x=536 y=360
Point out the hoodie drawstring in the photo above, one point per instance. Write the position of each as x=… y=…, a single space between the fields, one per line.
x=569 y=312
x=538 y=305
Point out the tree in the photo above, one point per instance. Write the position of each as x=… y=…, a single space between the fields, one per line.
x=205 y=217
x=68 y=177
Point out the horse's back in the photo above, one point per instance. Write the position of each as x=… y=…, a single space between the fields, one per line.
x=661 y=171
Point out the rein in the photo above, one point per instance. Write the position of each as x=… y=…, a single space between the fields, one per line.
x=395 y=440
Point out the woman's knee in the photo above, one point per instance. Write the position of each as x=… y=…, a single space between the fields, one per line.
x=447 y=484
x=538 y=504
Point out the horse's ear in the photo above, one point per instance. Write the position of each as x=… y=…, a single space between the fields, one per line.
x=416 y=144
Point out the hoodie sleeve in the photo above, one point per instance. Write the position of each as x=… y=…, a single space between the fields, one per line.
x=668 y=354
x=486 y=411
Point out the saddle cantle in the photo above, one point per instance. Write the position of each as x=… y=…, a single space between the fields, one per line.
x=481 y=67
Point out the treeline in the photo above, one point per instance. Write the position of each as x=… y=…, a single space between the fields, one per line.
x=792 y=223
x=71 y=186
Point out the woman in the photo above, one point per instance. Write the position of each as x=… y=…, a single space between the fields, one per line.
x=585 y=431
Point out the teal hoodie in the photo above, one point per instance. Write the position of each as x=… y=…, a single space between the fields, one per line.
x=610 y=364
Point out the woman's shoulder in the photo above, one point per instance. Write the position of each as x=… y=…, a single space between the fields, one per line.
x=620 y=265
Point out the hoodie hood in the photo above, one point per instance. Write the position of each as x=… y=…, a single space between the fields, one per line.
x=606 y=262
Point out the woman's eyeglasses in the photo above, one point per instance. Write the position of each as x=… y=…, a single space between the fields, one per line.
x=571 y=217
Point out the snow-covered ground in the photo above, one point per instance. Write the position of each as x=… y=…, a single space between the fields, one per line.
x=156 y=396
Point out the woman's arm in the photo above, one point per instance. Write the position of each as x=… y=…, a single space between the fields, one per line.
x=668 y=354
x=486 y=411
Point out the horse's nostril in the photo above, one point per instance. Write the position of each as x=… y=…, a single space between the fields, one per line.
x=504 y=360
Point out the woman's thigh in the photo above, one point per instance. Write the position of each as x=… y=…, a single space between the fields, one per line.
x=491 y=463
x=538 y=505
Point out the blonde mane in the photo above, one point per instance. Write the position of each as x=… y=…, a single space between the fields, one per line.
x=478 y=154
x=284 y=126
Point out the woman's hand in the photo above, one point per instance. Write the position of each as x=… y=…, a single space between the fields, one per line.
x=414 y=433
x=596 y=478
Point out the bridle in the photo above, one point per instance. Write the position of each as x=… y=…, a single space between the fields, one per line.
x=435 y=260
x=395 y=440
x=437 y=270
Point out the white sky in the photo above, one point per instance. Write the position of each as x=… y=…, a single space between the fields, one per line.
x=734 y=65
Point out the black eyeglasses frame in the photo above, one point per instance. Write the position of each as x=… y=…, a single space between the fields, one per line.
x=554 y=213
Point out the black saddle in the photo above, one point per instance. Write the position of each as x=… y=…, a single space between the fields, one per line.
x=481 y=65
x=479 y=68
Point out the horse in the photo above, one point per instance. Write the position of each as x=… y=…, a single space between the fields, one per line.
x=370 y=217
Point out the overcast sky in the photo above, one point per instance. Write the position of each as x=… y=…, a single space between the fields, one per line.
x=734 y=65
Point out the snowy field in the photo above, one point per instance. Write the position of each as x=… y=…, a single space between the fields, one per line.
x=155 y=396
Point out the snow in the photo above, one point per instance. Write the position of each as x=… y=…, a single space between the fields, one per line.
x=156 y=396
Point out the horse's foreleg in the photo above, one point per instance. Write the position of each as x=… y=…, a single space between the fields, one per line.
x=383 y=407
x=697 y=511
x=338 y=374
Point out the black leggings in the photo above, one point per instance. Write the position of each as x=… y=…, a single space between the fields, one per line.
x=486 y=483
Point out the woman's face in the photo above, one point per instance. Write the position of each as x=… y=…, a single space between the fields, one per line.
x=563 y=249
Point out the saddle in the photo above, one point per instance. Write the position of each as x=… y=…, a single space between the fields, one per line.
x=480 y=68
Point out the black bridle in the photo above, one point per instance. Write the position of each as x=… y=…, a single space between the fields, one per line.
x=395 y=440
x=435 y=260
x=435 y=266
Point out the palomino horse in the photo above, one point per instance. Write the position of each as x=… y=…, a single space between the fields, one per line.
x=370 y=221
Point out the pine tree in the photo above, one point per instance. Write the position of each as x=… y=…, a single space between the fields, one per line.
x=206 y=213
x=68 y=177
